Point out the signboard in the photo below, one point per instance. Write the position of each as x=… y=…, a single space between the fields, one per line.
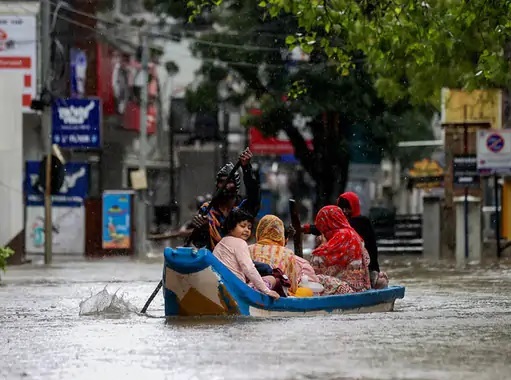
x=118 y=76
x=426 y=174
x=18 y=52
x=72 y=193
x=494 y=151
x=481 y=106
x=68 y=233
x=117 y=220
x=76 y=123
x=465 y=172
x=279 y=145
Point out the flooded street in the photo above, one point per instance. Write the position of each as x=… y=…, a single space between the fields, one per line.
x=451 y=325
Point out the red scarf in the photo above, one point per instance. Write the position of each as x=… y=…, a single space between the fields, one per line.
x=343 y=244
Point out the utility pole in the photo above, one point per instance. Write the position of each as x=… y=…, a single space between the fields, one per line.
x=141 y=217
x=46 y=123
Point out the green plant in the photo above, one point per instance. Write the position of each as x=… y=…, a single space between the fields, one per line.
x=5 y=253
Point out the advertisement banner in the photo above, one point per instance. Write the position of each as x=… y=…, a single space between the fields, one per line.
x=118 y=75
x=78 y=72
x=77 y=123
x=18 y=52
x=68 y=230
x=72 y=193
x=117 y=220
x=279 y=145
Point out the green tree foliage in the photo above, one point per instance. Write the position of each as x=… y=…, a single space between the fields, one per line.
x=411 y=47
x=253 y=48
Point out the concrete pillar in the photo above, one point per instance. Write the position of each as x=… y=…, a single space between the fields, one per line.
x=431 y=227
x=474 y=230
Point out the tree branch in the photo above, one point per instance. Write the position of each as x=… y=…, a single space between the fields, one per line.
x=302 y=151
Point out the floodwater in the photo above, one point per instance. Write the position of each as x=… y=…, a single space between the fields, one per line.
x=452 y=324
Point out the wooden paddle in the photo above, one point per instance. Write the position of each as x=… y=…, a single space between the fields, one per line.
x=190 y=238
x=295 y=222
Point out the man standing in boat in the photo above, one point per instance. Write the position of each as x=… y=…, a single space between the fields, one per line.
x=208 y=227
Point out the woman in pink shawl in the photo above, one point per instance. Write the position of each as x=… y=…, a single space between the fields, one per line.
x=342 y=255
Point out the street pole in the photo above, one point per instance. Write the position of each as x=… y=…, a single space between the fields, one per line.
x=46 y=124
x=497 y=212
x=142 y=165
x=174 y=214
x=465 y=203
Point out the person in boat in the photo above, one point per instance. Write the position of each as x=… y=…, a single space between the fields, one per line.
x=342 y=255
x=210 y=226
x=349 y=203
x=270 y=248
x=232 y=250
x=302 y=267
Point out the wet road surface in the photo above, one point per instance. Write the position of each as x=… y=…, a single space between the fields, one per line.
x=452 y=324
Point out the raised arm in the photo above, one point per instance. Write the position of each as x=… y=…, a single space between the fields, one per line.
x=252 y=203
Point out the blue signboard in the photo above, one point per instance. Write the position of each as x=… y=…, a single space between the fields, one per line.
x=72 y=193
x=76 y=123
x=117 y=220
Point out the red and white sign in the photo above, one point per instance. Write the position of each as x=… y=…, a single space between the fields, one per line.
x=117 y=80
x=18 y=52
x=494 y=151
x=279 y=145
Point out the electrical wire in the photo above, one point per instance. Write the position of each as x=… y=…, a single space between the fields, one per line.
x=134 y=28
x=164 y=36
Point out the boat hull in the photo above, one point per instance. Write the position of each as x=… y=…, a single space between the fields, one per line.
x=196 y=283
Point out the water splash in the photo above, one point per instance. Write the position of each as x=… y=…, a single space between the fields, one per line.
x=107 y=304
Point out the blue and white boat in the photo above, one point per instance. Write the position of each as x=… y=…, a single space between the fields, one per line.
x=196 y=283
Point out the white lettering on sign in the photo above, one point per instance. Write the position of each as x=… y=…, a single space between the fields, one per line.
x=79 y=139
x=75 y=115
x=69 y=180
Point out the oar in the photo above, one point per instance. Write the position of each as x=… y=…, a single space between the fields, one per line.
x=189 y=239
x=295 y=222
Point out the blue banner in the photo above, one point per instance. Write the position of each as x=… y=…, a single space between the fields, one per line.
x=72 y=193
x=117 y=220
x=78 y=75
x=76 y=123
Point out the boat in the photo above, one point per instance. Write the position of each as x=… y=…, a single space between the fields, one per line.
x=196 y=283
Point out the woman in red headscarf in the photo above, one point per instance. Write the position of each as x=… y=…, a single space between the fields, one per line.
x=342 y=255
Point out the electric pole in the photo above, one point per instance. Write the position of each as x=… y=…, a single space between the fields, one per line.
x=141 y=217
x=46 y=124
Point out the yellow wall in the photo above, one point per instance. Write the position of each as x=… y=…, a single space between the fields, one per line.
x=482 y=105
x=506 y=209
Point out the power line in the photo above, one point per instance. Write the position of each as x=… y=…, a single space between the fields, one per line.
x=163 y=36
x=135 y=28
x=211 y=60
x=109 y=36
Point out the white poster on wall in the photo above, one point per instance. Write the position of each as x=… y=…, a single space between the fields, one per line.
x=18 y=52
x=68 y=230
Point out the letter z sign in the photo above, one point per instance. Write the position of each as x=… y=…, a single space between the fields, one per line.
x=77 y=123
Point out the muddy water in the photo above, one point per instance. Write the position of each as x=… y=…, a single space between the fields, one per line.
x=451 y=325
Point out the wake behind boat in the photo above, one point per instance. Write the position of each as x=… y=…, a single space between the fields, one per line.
x=196 y=283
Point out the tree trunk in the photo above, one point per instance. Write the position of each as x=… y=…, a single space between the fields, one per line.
x=328 y=163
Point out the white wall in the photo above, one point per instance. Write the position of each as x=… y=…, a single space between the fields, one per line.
x=11 y=155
